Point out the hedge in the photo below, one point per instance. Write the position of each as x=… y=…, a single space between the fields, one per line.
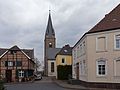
x=2 y=85
x=64 y=71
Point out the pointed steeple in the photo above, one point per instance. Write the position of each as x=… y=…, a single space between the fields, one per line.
x=49 y=30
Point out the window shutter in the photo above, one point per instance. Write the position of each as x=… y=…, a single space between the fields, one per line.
x=6 y=63
x=13 y=63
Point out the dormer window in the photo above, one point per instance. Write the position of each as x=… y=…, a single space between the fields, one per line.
x=65 y=50
x=12 y=52
x=50 y=45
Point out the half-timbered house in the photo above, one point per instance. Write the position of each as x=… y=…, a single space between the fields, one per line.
x=16 y=64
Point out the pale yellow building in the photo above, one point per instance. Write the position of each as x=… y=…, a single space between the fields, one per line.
x=64 y=57
x=96 y=56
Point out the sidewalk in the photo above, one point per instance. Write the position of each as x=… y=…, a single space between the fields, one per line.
x=64 y=84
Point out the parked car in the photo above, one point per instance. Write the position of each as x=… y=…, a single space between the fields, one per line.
x=38 y=76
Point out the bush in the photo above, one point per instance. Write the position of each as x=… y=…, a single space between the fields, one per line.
x=2 y=85
x=63 y=72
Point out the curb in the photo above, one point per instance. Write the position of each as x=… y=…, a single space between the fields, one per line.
x=69 y=87
x=18 y=83
x=63 y=86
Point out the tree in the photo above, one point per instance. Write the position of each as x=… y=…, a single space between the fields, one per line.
x=38 y=65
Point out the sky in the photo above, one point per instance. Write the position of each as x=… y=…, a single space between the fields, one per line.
x=23 y=22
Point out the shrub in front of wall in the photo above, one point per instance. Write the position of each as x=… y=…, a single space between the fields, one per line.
x=64 y=71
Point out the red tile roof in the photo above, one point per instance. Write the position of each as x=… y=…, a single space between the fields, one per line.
x=111 y=21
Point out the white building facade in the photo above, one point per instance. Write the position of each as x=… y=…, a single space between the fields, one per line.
x=96 y=56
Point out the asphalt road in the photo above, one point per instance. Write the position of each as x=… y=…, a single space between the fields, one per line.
x=35 y=86
x=45 y=84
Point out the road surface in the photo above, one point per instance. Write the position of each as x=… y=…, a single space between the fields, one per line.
x=44 y=84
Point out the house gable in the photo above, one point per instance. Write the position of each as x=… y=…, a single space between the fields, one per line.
x=111 y=21
x=14 y=48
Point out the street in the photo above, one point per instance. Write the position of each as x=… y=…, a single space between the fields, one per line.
x=44 y=84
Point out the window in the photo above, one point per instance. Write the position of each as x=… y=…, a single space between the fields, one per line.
x=65 y=51
x=12 y=52
x=18 y=63
x=9 y=63
x=82 y=67
x=74 y=54
x=52 y=66
x=78 y=51
x=80 y=48
x=117 y=67
x=63 y=60
x=21 y=73
x=84 y=47
x=101 y=44
x=117 y=41
x=101 y=67
x=81 y=70
x=50 y=45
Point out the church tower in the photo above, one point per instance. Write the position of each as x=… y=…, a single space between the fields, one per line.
x=49 y=42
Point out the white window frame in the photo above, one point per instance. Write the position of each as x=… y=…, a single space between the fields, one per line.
x=21 y=74
x=10 y=63
x=84 y=47
x=81 y=68
x=115 y=42
x=115 y=61
x=84 y=66
x=53 y=67
x=97 y=72
x=105 y=43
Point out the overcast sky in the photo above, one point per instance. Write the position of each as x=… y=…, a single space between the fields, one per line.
x=23 y=22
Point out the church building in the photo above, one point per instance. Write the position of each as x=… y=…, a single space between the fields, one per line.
x=50 y=49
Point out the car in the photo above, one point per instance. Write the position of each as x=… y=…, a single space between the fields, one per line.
x=38 y=76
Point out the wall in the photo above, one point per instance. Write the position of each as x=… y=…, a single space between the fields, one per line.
x=110 y=54
x=80 y=60
x=68 y=60
x=18 y=56
x=49 y=68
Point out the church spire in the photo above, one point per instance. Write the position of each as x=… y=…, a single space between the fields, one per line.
x=49 y=30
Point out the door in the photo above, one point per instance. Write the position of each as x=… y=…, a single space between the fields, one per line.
x=77 y=70
x=9 y=75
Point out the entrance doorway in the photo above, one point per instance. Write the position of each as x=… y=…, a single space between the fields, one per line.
x=9 y=75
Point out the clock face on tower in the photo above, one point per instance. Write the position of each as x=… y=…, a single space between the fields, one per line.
x=50 y=45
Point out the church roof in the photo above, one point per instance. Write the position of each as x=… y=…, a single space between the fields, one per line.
x=51 y=53
x=111 y=21
x=49 y=30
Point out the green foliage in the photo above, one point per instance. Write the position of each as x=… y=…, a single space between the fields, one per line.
x=64 y=71
x=2 y=85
